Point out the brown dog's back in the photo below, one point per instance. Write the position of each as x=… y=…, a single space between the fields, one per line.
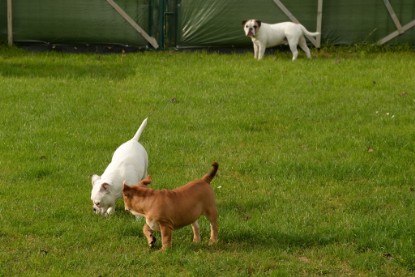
x=190 y=201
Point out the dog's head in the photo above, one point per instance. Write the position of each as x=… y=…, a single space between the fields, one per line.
x=102 y=199
x=251 y=27
x=137 y=190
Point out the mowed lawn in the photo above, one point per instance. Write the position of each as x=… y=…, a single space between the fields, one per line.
x=316 y=160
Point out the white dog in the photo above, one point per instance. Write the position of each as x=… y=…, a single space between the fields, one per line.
x=265 y=35
x=129 y=163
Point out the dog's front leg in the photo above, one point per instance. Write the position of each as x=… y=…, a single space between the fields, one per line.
x=110 y=210
x=196 y=231
x=256 y=51
x=261 y=50
x=148 y=233
x=166 y=232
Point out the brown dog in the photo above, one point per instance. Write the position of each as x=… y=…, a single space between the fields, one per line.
x=166 y=210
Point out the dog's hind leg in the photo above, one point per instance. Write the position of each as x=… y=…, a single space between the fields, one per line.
x=303 y=45
x=293 y=42
x=148 y=233
x=196 y=231
x=212 y=216
x=293 y=48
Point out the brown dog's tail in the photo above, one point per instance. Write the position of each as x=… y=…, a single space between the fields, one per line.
x=209 y=177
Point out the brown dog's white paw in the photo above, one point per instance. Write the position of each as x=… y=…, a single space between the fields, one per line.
x=152 y=243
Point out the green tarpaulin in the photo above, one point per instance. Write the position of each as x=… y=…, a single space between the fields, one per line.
x=199 y=23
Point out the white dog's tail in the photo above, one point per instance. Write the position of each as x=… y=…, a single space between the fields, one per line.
x=306 y=32
x=140 y=130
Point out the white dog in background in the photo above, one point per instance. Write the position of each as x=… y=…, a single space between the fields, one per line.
x=129 y=163
x=265 y=35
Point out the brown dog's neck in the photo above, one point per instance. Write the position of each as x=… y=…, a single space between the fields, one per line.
x=134 y=197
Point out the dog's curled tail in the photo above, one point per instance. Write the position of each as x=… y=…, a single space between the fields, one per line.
x=209 y=177
x=140 y=130
x=308 y=33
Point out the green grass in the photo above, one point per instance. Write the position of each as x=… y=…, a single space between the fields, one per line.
x=316 y=160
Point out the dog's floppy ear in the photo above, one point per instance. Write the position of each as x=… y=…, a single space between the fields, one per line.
x=146 y=181
x=126 y=190
x=124 y=186
x=243 y=22
x=105 y=187
x=94 y=178
x=258 y=22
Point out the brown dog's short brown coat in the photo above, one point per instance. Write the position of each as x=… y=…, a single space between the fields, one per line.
x=166 y=210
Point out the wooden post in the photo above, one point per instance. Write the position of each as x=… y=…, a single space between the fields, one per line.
x=397 y=33
x=393 y=16
x=133 y=24
x=400 y=29
x=319 y=21
x=9 y=23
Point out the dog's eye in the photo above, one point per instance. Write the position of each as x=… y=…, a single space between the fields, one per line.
x=255 y=27
x=97 y=203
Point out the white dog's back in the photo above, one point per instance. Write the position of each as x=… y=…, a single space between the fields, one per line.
x=285 y=30
x=127 y=159
x=278 y=34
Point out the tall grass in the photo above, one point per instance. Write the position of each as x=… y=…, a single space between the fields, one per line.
x=316 y=160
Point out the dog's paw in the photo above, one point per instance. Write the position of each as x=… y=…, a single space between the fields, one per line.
x=213 y=242
x=109 y=211
x=152 y=244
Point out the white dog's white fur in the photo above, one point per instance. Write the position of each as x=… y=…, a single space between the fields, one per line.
x=129 y=163
x=265 y=35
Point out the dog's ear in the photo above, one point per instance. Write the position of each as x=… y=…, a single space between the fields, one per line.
x=146 y=181
x=258 y=22
x=243 y=22
x=94 y=178
x=105 y=187
x=125 y=187
x=126 y=190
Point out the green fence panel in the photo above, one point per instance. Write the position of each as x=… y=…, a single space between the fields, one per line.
x=77 y=21
x=199 y=23
x=219 y=23
x=353 y=21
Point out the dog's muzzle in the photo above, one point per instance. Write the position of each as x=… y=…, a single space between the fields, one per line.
x=251 y=32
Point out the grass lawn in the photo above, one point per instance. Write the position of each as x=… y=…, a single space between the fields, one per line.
x=316 y=177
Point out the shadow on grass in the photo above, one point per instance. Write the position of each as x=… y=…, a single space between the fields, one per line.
x=275 y=239
x=60 y=70
x=252 y=225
